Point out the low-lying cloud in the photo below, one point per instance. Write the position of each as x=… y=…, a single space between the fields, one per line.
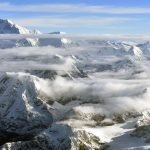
x=110 y=87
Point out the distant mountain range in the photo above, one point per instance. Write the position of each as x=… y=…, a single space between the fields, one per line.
x=8 y=27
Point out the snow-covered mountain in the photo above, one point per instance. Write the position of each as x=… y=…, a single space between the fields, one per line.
x=56 y=42
x=73 y=94
x=105 y=47
x=23 y=114
x=145 y=47
x=8 y=27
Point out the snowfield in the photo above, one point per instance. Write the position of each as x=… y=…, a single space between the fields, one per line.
x=73 y=94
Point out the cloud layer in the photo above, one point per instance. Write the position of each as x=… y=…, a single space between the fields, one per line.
x=74 y=8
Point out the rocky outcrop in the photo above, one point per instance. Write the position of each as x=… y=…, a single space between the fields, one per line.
x=143 y=127
x=60 y=137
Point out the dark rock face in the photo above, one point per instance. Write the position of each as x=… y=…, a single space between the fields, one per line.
x=60 y=137
x=143 y=127
x=51 y=74
x=23 y=115
x=7 y=27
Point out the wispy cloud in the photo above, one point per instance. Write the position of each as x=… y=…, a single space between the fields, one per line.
x=113 y=93
x=128 y=37
x=63 y=21
x=74 y=8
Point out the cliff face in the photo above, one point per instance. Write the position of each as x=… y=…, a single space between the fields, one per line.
x=23 y=115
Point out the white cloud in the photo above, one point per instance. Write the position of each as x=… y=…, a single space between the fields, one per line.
x=74 y=8
x=128 y=37
x=118 y=95
x=63 y=21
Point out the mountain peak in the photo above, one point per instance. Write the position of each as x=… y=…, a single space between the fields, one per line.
x=8 y=27
x=6 y=21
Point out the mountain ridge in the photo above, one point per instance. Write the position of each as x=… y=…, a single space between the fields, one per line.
x=8 y=27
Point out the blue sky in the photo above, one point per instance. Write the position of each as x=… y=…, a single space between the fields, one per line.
x=78 y=16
